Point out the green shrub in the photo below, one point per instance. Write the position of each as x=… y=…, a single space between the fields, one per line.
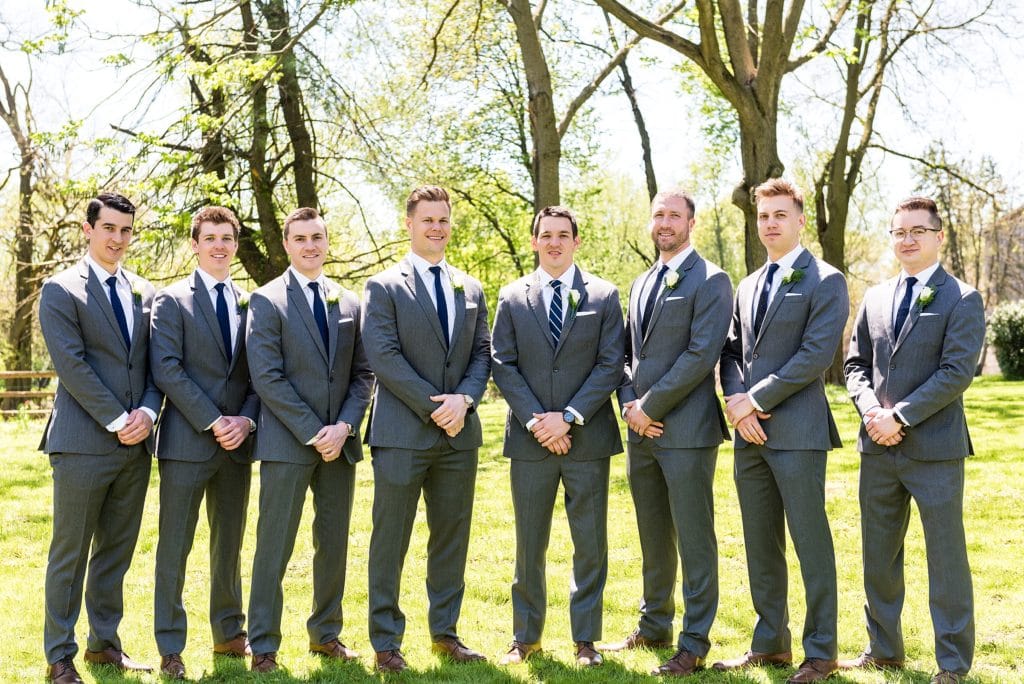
x=1006 y=334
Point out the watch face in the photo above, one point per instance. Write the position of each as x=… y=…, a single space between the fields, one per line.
x=568 y=417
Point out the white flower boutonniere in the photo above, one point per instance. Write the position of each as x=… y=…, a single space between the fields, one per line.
x=136 y=293
x=457 y=283
x=243 y=302
x=926 y=297
x=792 y=275
x=671 y=279
x=332 y=297
x=574 y=299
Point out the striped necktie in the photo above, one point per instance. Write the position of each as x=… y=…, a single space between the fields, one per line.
x=555 y=311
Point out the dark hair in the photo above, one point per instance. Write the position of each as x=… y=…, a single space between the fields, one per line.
x=558 y=212
x=678 y=193
x=302 y=214
x=925 y=203
x=777 y=187
x=111 y=200
x=216 y=215
x=426 y=193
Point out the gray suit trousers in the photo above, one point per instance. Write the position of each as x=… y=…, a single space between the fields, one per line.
x=887 y=483
x=447 y=478
x=282 y=495
x=97 y=503
x=534 y=488
x=183 y=485
x=776 y=488
x=675 y=515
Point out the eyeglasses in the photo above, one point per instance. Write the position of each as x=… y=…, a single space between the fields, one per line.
x=899 y=235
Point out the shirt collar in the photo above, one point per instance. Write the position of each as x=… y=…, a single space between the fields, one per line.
x=567 y=278
x=923 y=277
x=101 y=273
x=210 y=282
x=675 y=262
x=423 y=266
x=787 y=260
x=304 y=281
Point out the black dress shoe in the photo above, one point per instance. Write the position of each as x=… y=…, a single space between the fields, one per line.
x=119 y=659
x=171 y=665
x=63 y=671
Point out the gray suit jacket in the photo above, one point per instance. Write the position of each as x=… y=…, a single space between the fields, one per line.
x=98 y=377
x=924 y=372
x=672 y=368
x=190 y=366
x=406 y=349
x=582 y=371
x=303 y=386
x=782 y=367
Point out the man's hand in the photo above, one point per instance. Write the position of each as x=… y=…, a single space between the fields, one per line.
x=641 y=423
x=882 y=426
x=231 y=431
x=737 y=407
x=549 y=430
x=450 y=416
x=136 y=428
x=329 y=441
x=559 y=446
x=750 y=428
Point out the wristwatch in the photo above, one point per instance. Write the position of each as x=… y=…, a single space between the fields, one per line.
x=569 y=417
x=469 y=400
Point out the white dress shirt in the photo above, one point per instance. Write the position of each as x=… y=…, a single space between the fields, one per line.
x=901 y=288
x=422 y=267
x=673 y=265
x=785 y=263
x=234 y=318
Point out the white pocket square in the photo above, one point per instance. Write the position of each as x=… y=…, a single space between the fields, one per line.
x=585 y=313
x=794 y=294
x=672 y=299
x=470 y=305
x=345 y=320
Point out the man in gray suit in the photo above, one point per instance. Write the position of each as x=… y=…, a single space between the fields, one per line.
x=787 y=323
x=558 y=347
x=197 y=353
x=425 y=327
x=678 y=320
x=95 y=321
x=308 y=367
x=913 y=353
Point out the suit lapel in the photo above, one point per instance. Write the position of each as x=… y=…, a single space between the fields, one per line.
x=634 y=307
x=137 y=322
x=334 y=292
x=201 y=298
x=243 y=315
x=97 y=291
x=890 y=297
x=935 y=283
x=460 y=308
x=579 y=284
x=659 y=304
x=535 y=298
x=801 y=263
x=297 y=301
x=422 y=296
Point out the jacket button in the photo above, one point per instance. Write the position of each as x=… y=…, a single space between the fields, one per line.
x=554 y=370
x=130 y=366
x=755 y=355
x=643 y=356
x=448 y=364
x=892 y=366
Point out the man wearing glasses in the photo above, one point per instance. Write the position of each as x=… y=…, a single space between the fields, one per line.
x=913 y=353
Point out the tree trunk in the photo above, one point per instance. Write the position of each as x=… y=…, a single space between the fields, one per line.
x=641 y=128
x=19 y=336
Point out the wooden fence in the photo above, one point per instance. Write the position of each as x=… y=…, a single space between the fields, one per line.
x=35 y=402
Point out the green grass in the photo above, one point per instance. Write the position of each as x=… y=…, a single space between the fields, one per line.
x=993 y=508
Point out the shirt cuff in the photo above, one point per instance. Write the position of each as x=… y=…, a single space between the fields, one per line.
x=210 y=426
x=530 y=423
x=309 y=442
x=150 y=413
x=579 y=418
x=118 y=422
x=900 y=416
x=750 y=395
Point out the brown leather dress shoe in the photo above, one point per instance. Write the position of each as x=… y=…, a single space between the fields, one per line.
x=63 y=671
x=587 y=655
x=947 y=677
x=264 y=662
x=519 y=652
x=866 y=661
x=682 y=664
x=171 y=665
x=390 y=661
x=333 y=649
x=755 y=659
x=235 y=648
x=635 y=640
x=119 y=659
x=813 y=670
x=456 y=651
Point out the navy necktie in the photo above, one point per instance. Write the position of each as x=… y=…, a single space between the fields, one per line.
x=904 y=310
x=222 y=319
x=762 y=303
x=555 y=311
x=319 y=313
x=442 y=303
x=652 y=297
x=115 y=304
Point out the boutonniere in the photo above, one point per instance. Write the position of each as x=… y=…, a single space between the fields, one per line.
x=136 y=293
x=574 y=299
x=926 y=297
x=332 y=297
x=457 y=283
x=243 y=302
x=792 y=275
x=671 y=279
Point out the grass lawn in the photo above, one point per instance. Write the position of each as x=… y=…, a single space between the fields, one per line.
x=993 y=507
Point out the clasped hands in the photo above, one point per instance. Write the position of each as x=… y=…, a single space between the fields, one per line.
x=744 y=416
x=136 y=428
x=641 y=423
x=450 y=416
x=231 y=431
x=882 y=426
x=552 y=432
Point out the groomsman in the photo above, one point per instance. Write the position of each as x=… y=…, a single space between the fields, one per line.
x=95 y=321
x=310 y=372
x=558 y=350
x=787 y=322
x=197 y=354
x=678 y=319
x=425 y=327
x=913 y=353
